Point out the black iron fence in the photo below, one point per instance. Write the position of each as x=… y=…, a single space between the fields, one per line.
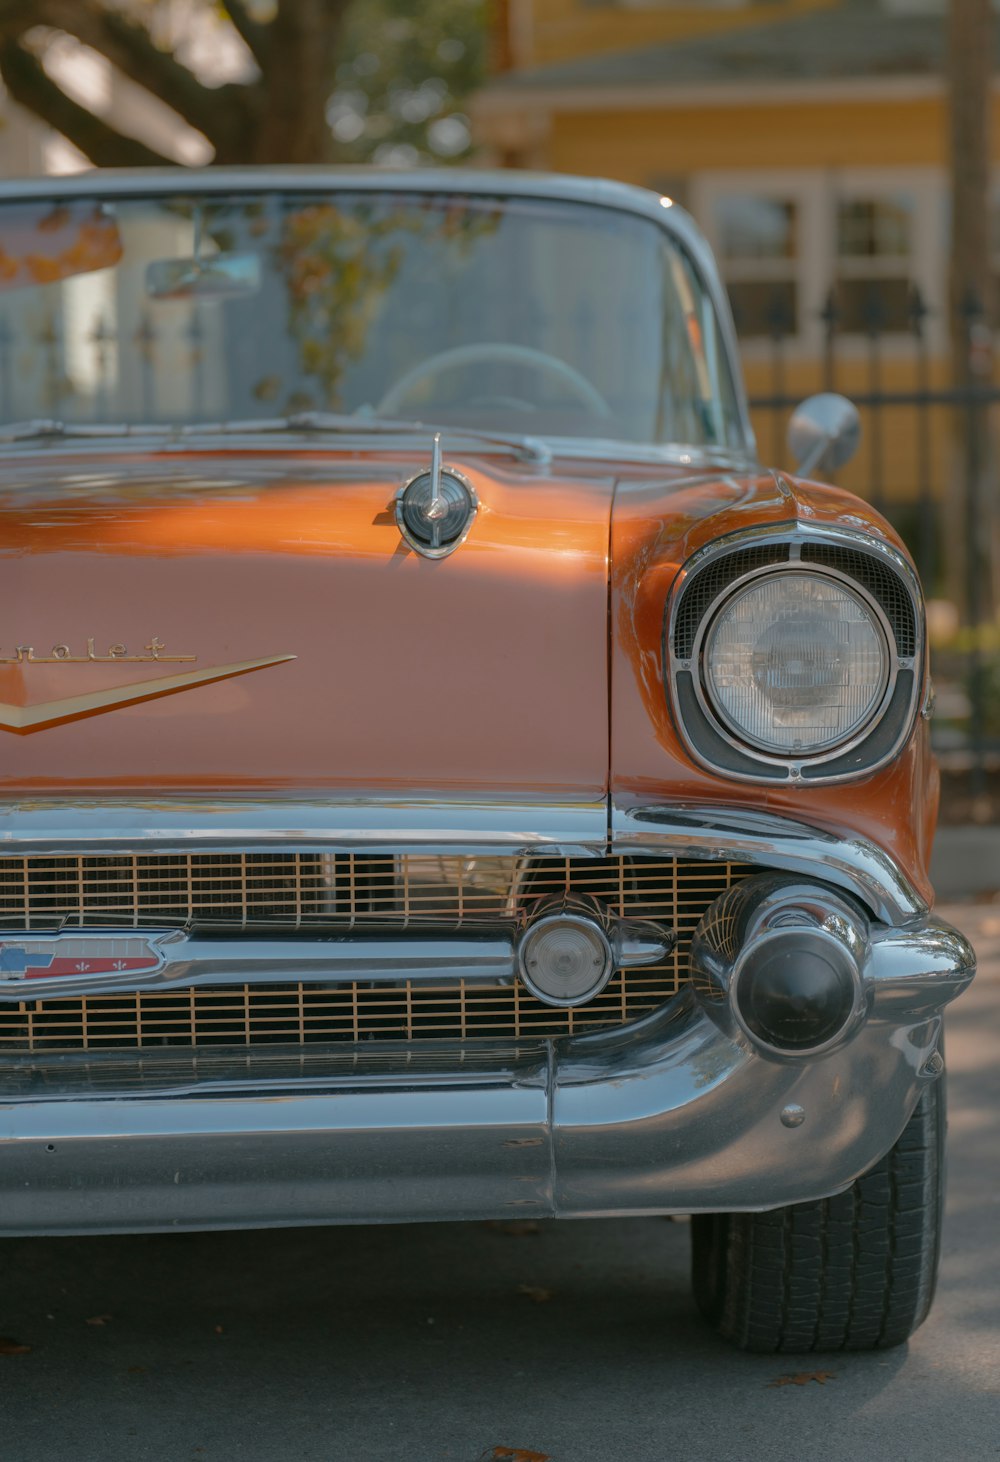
x=928 y=461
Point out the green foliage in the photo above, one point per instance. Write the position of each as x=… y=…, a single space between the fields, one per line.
x=407 y=65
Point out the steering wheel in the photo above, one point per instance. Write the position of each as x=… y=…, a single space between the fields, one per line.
x=496 y=351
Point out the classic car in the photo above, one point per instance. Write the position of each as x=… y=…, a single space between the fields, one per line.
x=445 y=775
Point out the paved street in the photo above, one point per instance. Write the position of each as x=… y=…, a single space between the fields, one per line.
x=576 y=1341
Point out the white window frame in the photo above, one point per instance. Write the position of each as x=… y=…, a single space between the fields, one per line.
x=816 y=193
x=693 y=5
x=928 y=269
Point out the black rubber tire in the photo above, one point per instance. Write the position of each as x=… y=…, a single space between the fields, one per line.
x=853 y=1272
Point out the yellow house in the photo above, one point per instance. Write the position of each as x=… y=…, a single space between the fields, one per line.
x=809 y=139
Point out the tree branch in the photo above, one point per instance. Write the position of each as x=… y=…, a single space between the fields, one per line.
x=131 y=49
x=251 y=32
x=30 y=85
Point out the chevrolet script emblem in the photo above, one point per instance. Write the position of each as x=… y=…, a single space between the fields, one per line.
x=26 y=718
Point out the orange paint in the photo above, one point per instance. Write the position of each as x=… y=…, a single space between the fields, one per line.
x=655 y=532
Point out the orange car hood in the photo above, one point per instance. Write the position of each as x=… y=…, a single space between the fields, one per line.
x=256 y=624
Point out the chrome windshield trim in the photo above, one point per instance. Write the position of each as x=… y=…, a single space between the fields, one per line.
x=742 y=835
x=127 y=439
x=392 y=825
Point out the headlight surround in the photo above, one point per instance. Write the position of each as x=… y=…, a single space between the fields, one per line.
x=796 y=662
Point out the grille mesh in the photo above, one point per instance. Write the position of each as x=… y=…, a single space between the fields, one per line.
x=881 y=581
x=885 y=587
x=706 y=585
x=338 y=891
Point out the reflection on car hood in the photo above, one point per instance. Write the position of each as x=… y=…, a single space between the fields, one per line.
x=256 y=624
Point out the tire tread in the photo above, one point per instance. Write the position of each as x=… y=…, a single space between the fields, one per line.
x=851 y=1272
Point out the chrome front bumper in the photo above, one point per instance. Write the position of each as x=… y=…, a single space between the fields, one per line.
x=667 y=1116
x=671 y=1114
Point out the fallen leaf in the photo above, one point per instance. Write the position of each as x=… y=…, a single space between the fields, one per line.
x=517 y=1226
x=538 y=1296
x=98 y=1319
x=802 y=1378
x=514 y=1454
x=12 y=1347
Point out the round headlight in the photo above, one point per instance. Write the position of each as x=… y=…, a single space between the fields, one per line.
x=796 y=663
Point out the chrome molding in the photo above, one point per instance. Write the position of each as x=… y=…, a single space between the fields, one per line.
x=53 y=827
x=375 y=825
x=741 y=835
x=185 y=960
x=795 y=534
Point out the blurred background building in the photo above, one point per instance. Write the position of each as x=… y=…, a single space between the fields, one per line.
x=809 y=139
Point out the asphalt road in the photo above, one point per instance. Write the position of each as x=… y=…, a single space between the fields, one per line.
x=448 y=1343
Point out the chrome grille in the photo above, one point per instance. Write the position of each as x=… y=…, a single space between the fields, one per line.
x=313 y=891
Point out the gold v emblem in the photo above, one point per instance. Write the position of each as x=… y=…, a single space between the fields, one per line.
x=37 y=718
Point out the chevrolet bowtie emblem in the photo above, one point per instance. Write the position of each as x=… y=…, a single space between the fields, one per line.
x=23 y=719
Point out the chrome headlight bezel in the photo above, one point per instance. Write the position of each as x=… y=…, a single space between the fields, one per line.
x=872 y=572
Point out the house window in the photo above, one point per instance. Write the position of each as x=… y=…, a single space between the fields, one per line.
x=874 y=264
x=670 y=4
x=758 y=244
x=788 y=239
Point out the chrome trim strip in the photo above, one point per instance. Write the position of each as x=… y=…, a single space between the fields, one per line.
x=317 y=959
x=52 y=827
x=795 y=533
x=489 y=958
x=391 y=825
x=669 y=1115
x=738 y=834
x=470 y=445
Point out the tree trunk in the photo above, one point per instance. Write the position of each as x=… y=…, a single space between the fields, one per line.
x=276 y=117
x=298 y=70
x=971 y=510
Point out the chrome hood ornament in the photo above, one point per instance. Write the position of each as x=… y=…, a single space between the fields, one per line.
x=435 y=509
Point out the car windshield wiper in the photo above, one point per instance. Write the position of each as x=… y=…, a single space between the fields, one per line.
x=321 y=422
x=532 y=448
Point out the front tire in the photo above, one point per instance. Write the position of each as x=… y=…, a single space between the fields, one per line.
x=853 y=1272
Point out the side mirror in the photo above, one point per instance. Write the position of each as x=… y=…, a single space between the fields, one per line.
x=824 y=433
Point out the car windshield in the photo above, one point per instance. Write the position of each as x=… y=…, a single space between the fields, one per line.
x=553 y=318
